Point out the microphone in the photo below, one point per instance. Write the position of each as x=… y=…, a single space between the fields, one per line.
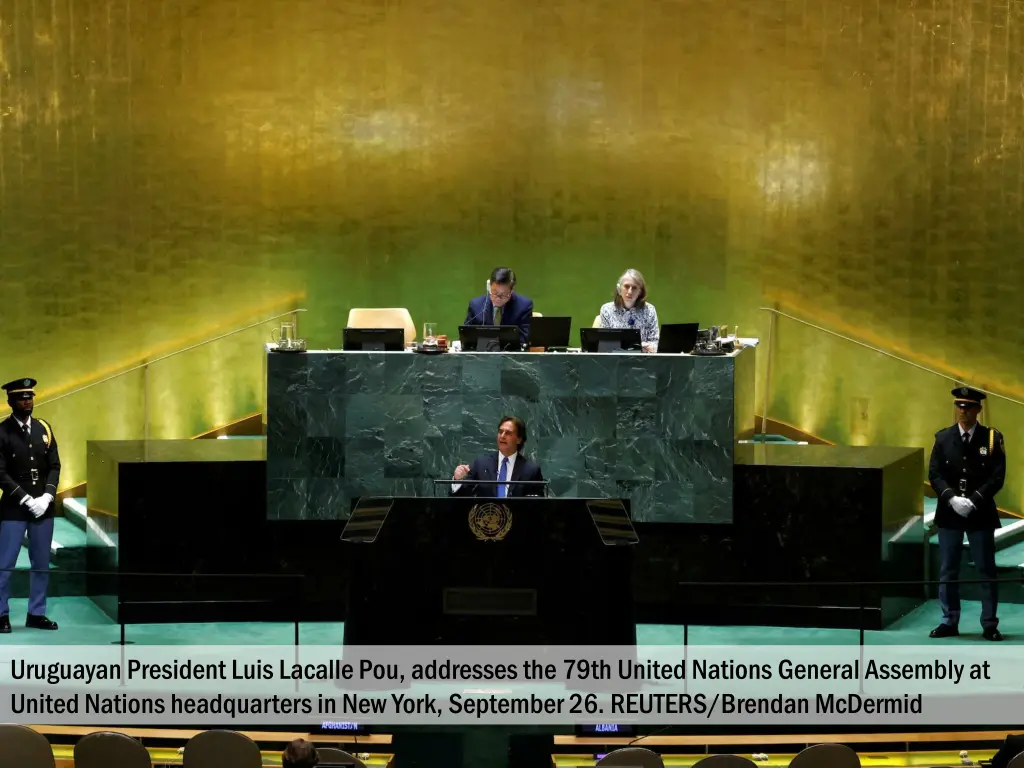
x=477 y=315
x=473 y=319
x=487 y=304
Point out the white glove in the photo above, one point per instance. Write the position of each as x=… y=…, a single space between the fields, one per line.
x=37 y=507
x=40 y=505
x=961 y=506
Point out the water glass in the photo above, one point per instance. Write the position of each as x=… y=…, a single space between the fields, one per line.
x=430 y=334
x=284 y=336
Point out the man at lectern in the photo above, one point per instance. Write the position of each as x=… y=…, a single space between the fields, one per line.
x=967 y=469
x=508 y=464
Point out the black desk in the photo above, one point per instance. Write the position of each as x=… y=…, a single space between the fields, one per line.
x=527 y=571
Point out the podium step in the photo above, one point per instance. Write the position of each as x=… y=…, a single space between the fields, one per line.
x=773 y=439
x=67 y=553
x=24 y=564
x=61 y=585
x=1009 y=535
x=66 y=536
x=75 y=511
x=66 y=548
x=1011 y=557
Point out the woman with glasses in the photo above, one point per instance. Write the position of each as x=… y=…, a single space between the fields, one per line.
x=630 y=309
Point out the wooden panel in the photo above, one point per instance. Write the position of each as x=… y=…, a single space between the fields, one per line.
x=766 y=739
x=185 y=734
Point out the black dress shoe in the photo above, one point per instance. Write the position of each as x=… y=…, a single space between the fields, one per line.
x=992 y=634
x=5 y=625
x=39 y=622
x=944 y=630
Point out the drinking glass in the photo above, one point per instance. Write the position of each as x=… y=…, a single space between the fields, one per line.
x=284 y=336
x=430 y=334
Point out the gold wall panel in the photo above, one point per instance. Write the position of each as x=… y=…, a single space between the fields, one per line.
x=174 y=166
x=847 y=394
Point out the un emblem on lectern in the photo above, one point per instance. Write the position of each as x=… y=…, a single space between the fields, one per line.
x=490 y=522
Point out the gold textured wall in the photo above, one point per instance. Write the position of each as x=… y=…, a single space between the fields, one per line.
x=175 y=168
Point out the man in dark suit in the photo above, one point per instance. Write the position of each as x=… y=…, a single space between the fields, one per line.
x=29 y=474
x=966 y=470
x=1012 y=747
x=507 y=464
x=502 y=305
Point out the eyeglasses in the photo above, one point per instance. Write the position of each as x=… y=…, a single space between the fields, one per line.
x=500 y=295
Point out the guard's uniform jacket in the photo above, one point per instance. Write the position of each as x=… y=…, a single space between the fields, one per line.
x=29 y=464
x=976 y=471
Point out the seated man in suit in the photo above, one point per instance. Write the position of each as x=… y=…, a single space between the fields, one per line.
x=502 y=305
x=1012 y=747
x=507 y=464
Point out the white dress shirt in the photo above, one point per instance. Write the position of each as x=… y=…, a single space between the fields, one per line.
x=497 y=469
x=511 y=466
x=970 y=431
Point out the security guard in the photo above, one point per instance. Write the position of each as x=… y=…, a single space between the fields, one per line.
x=29 y=474
x=967 y=470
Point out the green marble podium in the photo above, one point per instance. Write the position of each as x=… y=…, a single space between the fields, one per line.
x=658 y=430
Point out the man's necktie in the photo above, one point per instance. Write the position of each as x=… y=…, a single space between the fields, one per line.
x=502 y=477
x=967 y=439
x=497 y=315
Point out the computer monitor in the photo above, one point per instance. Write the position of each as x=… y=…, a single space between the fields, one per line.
x=609 y=339
x=677 y=337
x=489 y=338
x=550 y=332
x=374 y=340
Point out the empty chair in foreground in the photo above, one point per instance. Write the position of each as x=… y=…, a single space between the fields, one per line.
x=724 y=761
x=22 y=747
x=222 y=749
x=826 y=756
x=632 y=757
x=104 y=749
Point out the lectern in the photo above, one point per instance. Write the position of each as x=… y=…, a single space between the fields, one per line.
x=478 y=571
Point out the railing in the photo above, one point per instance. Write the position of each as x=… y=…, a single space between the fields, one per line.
x=283 y=592
x=183 y=393
x=289 y=591
x=890 y=589
x=847 y=391
x=293 y=314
